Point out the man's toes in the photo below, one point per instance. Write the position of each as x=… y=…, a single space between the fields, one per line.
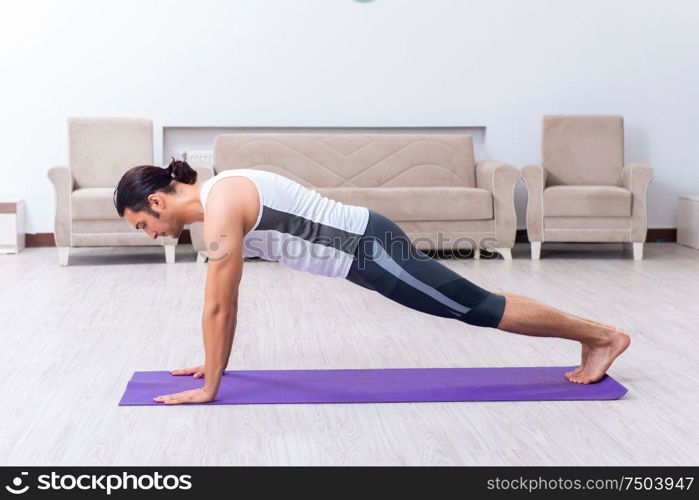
x=588 y=377
x=569 y=375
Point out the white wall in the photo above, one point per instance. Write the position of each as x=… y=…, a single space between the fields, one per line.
x=497 y=63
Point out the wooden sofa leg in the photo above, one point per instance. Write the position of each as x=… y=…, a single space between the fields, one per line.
x=638 y=251
x=536 y=250
x=169 y=254
x=63 y=255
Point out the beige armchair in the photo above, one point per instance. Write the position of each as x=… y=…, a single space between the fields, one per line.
x=583 y=192
x=430 y=184
x=100 y=151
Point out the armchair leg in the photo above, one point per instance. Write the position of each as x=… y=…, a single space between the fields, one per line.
x=63 y=255
x=638 y=251
x=169 y=254
x=536 y=250
x=505 y=252
x=476 y=252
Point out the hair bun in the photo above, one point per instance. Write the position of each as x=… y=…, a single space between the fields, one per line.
x=181 y=171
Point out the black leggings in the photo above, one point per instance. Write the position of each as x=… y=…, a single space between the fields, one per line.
x=387 y=262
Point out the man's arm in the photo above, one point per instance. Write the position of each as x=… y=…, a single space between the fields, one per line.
x=223 y=234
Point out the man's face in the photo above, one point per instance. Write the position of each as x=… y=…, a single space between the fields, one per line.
x=165 y=225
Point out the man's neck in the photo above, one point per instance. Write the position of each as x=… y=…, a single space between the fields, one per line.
x=190 y=209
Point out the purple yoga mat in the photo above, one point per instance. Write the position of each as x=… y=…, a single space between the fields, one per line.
x=391 y=385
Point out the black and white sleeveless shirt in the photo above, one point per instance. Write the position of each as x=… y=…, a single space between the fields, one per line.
x=297 y=226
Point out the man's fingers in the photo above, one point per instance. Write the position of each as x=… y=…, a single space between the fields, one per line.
x=184 y=371
x=167 y=400
x=176 y=401
x=168 y=397
x=188 y=371
x=179 y=399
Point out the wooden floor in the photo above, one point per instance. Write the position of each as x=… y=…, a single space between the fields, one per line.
x=72 y=336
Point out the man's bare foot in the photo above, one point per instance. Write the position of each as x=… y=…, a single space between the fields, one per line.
x=600 y=357
x=585 y=350
x=583 y=359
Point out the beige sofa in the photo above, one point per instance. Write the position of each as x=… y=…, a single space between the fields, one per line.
x=429 y=184
x=583 y=191
x=100 y=151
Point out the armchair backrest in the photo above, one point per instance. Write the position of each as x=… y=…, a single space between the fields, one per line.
x=582 y=149
x=352 y=160
x=102 y=149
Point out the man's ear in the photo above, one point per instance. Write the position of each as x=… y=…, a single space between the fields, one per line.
x=156 y=200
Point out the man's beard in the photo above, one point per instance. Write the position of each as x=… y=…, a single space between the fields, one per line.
x=175 y=227
x=179 y=232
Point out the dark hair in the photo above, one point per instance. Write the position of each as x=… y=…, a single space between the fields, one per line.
x=139 y=182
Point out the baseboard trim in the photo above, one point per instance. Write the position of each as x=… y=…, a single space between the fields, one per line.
x=39 y=240
x=655 y=235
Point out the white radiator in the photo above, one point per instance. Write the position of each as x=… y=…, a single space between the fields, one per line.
x=199 y=157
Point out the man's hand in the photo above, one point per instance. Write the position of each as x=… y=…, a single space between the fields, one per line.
x=193 y=396
x=196 y=371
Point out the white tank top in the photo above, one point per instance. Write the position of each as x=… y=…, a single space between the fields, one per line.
x=297 y=226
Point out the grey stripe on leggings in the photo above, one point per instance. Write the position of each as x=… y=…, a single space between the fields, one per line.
x=381 y=257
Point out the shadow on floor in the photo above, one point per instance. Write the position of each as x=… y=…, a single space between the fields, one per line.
x=91 y=256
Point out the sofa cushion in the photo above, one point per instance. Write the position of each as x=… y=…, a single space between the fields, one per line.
x=93 y=203
x=596 y=201
x=418 y=203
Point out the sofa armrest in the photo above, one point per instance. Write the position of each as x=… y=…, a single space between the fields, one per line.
x=196 y=229
x=535 y=178
x=535 y=171
x=62 y=181
x=204 y=172
x=500 y=179
x=636 y=177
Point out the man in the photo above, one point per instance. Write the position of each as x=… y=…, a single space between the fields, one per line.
x=249 y=212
